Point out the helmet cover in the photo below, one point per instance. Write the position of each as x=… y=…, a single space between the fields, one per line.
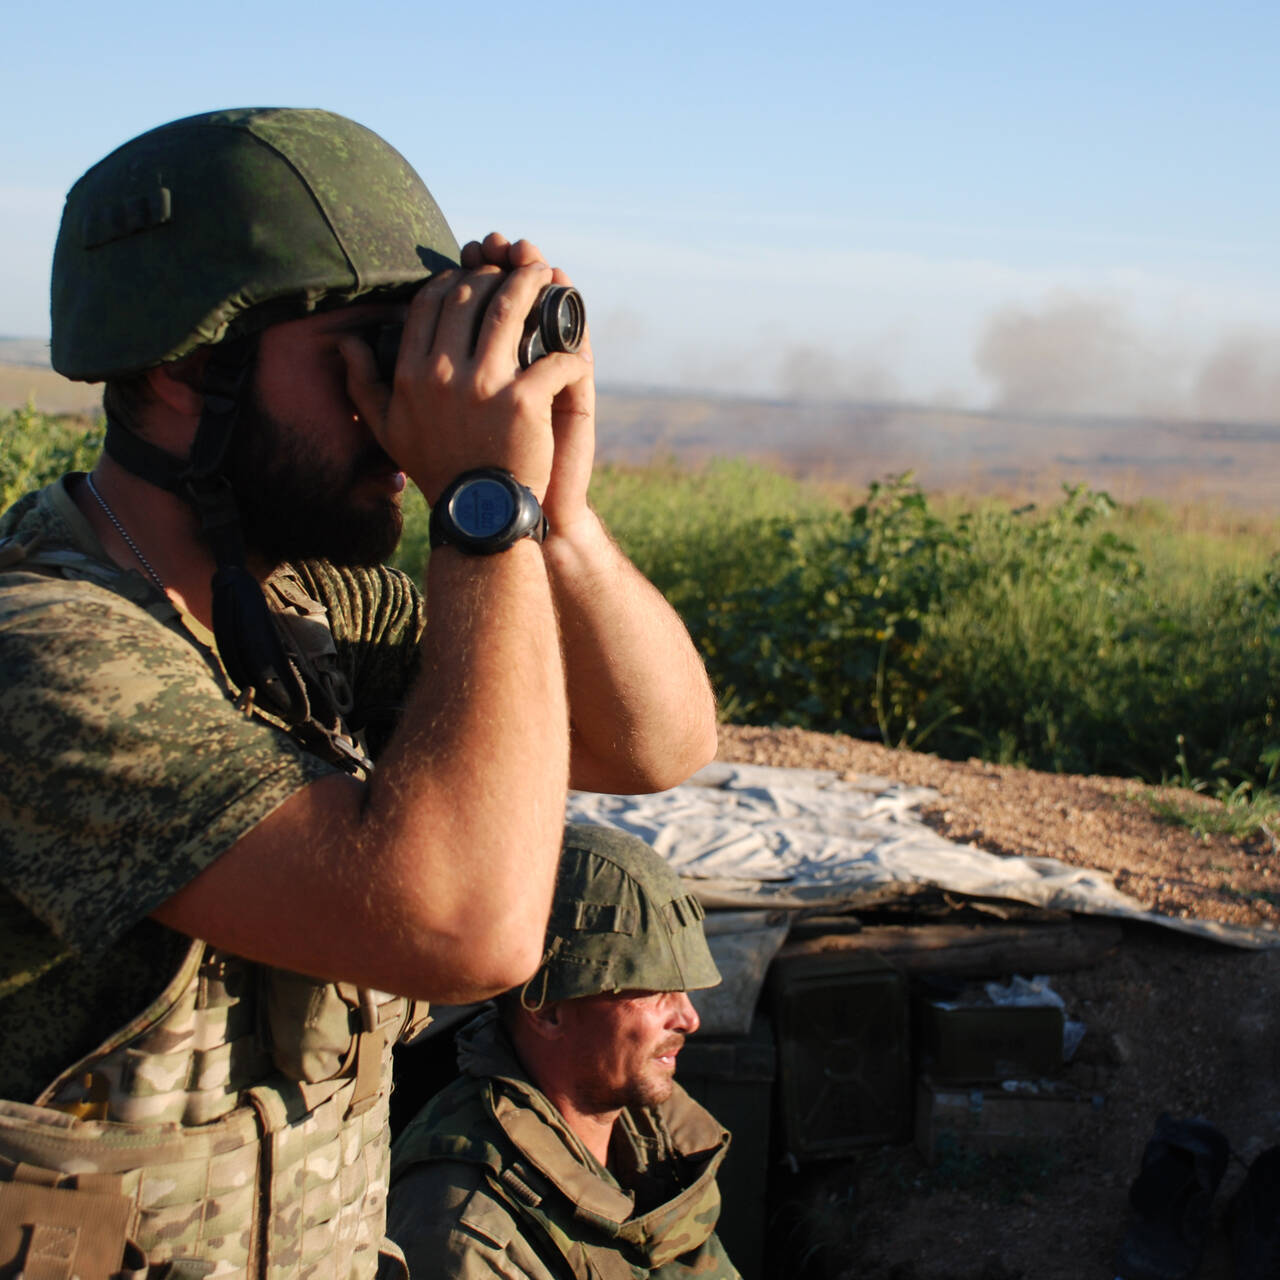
x=621 y=921
x=221 y=224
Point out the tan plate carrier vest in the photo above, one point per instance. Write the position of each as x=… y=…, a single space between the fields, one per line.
x=237 y=1127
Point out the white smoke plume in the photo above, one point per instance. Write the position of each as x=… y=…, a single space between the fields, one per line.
x=812 y=373
x=1076 y=354
x=1239 y=381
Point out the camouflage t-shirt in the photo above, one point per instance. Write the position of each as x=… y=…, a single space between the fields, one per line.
x=128 y=770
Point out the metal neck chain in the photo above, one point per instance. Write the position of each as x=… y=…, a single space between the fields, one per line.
x=124 y=533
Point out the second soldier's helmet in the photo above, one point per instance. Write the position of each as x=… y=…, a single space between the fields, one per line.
x=621 y=921
x=221 y=224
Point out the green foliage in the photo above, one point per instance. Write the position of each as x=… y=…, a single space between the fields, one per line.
x=1069 y=637
x=36 y=448
x=1244 y=810
x=695 y=533
x=411 y=555
x=1078 y=658
x=1072 y=655
x=1242 y=815
x=798 y=607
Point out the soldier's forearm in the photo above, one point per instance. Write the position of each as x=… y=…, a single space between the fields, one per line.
x=640 y=704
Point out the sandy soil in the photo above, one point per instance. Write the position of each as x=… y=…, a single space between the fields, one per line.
x=1174 y=1024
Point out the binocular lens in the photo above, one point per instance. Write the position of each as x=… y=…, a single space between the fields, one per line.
x=563 y=318
x=558 y=322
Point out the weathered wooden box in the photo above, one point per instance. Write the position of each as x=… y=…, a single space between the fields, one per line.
x=844 y=1057
x=989 y=1117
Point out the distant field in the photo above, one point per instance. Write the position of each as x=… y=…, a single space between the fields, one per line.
x=33 y=351
x=50 y=391
x=1222 y=465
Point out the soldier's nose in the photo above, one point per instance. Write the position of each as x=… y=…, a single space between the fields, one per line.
x=684 y=1017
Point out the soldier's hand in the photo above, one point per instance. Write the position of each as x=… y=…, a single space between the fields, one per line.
x=460 y=399
x=495 y=250
x=573 y=423
x=574 y=411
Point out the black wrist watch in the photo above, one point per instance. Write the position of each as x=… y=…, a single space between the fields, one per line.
x=485 y=511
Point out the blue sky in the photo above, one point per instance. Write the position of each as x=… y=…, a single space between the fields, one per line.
x=969 y=203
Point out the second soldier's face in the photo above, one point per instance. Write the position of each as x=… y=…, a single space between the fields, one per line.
x=627 y=1044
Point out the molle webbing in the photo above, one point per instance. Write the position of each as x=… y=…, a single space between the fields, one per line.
x=186 y=1118
x=183 y=1060
x=557 y=1247
x=327 y=698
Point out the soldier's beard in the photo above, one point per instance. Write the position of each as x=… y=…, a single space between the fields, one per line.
x=649 y=1092
x=296 y=504
x=642 y=1088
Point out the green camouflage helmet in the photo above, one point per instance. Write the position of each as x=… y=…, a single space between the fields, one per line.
x=621 y=921
x=221 y=224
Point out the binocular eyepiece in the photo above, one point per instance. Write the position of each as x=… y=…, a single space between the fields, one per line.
x=558 y=322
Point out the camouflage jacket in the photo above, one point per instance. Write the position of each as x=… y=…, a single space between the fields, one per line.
x=489 y=1181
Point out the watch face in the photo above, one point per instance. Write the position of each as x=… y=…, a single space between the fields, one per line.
x=483 y=508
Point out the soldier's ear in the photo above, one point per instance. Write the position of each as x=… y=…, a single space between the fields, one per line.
x=178 y=384
x=546 y=1021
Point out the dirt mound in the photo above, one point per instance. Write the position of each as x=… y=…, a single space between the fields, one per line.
x=1106 y=823
x=1174 y=1024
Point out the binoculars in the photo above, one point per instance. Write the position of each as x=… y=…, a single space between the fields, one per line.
x=557 y=322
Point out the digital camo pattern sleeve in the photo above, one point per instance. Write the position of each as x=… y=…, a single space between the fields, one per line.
x=127 y=768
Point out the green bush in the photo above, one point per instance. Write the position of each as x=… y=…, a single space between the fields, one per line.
x=1065 y=638
x=36 y=448
x=825 y=632
x=411 y=555
x=1065 y=652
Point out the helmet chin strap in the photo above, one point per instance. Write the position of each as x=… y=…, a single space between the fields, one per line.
x=248 y=643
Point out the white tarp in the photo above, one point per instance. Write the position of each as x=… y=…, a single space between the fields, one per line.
x=761 y=839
